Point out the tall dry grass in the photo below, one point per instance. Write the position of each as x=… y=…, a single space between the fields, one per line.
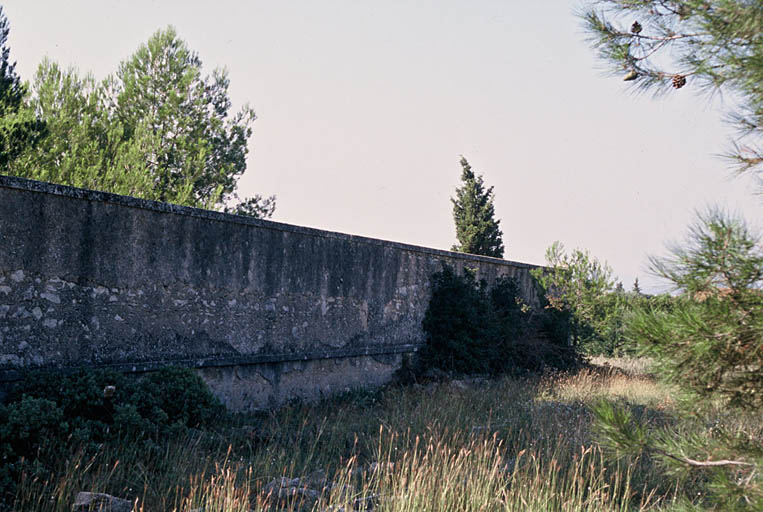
x=509 y=444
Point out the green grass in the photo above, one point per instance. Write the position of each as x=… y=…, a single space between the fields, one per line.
x=510 y=444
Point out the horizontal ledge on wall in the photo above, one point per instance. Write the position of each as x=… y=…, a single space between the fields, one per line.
x=216 y=361
x=13 y=182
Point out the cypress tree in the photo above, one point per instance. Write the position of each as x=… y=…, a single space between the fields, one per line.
x=477 y=229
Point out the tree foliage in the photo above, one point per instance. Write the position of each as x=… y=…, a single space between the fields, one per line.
x=477 y=229
x=577 y=283
x=587 y=306
x=19 y=128
x=256 y=206
x=83 y=147
x=711 y=45
x=715 y=332
x=708 y=343
x=161 y=86
x=157 y=129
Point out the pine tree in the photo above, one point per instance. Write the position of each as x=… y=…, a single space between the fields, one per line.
x=477 y=229
x=709 y=342
x=577 y=284
x=19 y=128
x=712 y=341
x=157 y=129
x=198 y=137
x=636 y=287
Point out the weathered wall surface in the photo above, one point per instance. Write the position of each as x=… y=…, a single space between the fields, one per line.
x=265 y=311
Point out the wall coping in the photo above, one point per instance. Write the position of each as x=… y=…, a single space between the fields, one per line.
x=13 y=182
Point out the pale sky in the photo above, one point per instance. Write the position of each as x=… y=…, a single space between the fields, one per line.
x=364 y=109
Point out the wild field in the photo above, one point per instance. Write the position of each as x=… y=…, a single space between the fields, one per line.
x=508 y=444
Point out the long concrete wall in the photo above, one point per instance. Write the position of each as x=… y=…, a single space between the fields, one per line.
x=264 y=311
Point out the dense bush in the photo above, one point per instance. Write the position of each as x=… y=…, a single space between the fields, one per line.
x=92 y=407
x=458 y=338
x=179 y=397
x=26 y=427
x=473 y=328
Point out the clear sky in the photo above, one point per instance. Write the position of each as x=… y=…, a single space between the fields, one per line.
x=364 y=108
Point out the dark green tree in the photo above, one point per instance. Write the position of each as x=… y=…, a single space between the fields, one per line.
x=709 y=45
x=477 y=229
x=471 y=327
x=19 y=128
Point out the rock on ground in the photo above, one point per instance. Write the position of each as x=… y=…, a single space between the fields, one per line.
x=98 y=502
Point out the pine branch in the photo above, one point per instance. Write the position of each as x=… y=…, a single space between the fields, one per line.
x=701 y=464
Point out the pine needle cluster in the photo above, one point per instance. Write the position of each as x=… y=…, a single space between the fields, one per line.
x=712 y=340
x=708 y=45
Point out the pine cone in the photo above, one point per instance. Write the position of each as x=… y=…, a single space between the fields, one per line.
x=679 y=81
x=632 y=75
x=636 y=27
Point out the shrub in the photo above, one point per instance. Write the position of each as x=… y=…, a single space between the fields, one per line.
x=53 y=410
x=26 y=424
x=177 y=396
x=508 y=307
x=459 y=337
x=166 y=397
x=471 y=328
x=80 y=396
x=26 y=427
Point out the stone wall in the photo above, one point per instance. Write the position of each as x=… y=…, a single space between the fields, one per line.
x=265 y=311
